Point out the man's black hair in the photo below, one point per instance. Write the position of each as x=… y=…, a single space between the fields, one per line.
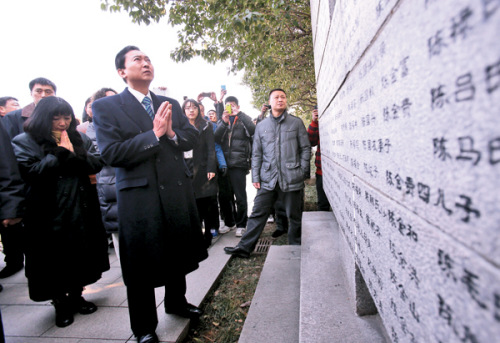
x=232 y=99
x=4 y=99
x=44 y=82
x=120 y=57
x=101 y=93
x=275 y=90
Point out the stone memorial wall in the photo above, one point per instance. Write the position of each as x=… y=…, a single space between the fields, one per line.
x=409 y=100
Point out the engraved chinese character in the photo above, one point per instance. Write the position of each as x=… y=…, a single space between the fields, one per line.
x=435 y=44
x=386 y=114
x=468 y=337
x=414 y=277
x=465 y=88
x=413 y=311
x=394 y=335
x=402 y=261
x=391 y=218
x=469 y=279
x=380 y=307
x=392 y=249
x=399 y=181
x=467 y=151
x=393 y=277
x=441 y=201
x=438 y=97
x=496 y=304
x=395 y=110
x=460 y=25
x=424 y=192
x=494 y=151
x=440 y=148
x=402 y=293
x=466 y=207
x=446 y=264
x=394 y=78
x=388 y=178
x=406 y=107
x=387 y=144
x=404 y=67
x=410 y=186
x=493 y=77
x=445 y=310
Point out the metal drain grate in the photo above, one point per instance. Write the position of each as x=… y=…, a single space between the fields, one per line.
x=263 y=245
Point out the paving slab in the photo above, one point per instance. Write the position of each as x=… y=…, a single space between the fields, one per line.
x=106 y=323
x=274 y=313
x=27 y=339
x=326 y=311
x=27 y=320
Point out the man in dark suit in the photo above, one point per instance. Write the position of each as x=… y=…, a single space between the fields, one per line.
x=11 y=194
x=40 y=88
x=160 y=234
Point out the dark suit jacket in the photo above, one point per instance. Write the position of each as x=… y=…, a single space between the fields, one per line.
x=159 y=227
x=11 y=184
x=13 y=121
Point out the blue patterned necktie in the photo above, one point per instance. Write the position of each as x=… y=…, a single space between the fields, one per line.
x=147 y=104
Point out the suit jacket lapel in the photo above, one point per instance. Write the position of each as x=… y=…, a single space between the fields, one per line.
x=135 y=111
x=156 y=102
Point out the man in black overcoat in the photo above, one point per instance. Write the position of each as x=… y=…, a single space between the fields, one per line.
x=144 y=136
x=11 y=193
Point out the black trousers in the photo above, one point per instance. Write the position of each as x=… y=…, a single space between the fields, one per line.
x=263 y=202
x=238 y=177
x=142 y=303
x=209 y=214
x=13 y=244
x=226 y=200
x=280 y=216
x=323 y=203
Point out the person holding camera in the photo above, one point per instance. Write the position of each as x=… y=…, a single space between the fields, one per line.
x=235 y=133
x=263 y=112
x=225 y=195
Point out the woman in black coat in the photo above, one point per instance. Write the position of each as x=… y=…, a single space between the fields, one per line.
x=203 y=164
x=66 y=245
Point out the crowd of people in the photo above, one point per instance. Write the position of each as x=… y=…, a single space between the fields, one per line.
x=154 y=176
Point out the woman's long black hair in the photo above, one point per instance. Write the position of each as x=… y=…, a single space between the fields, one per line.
x=39 y=124
x=199 y=122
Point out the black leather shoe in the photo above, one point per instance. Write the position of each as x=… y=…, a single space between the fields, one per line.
x=83 y=306
x=148 y=338
x=189 y=311
x=237 y=251
x=9 y=271
x=64 y=315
